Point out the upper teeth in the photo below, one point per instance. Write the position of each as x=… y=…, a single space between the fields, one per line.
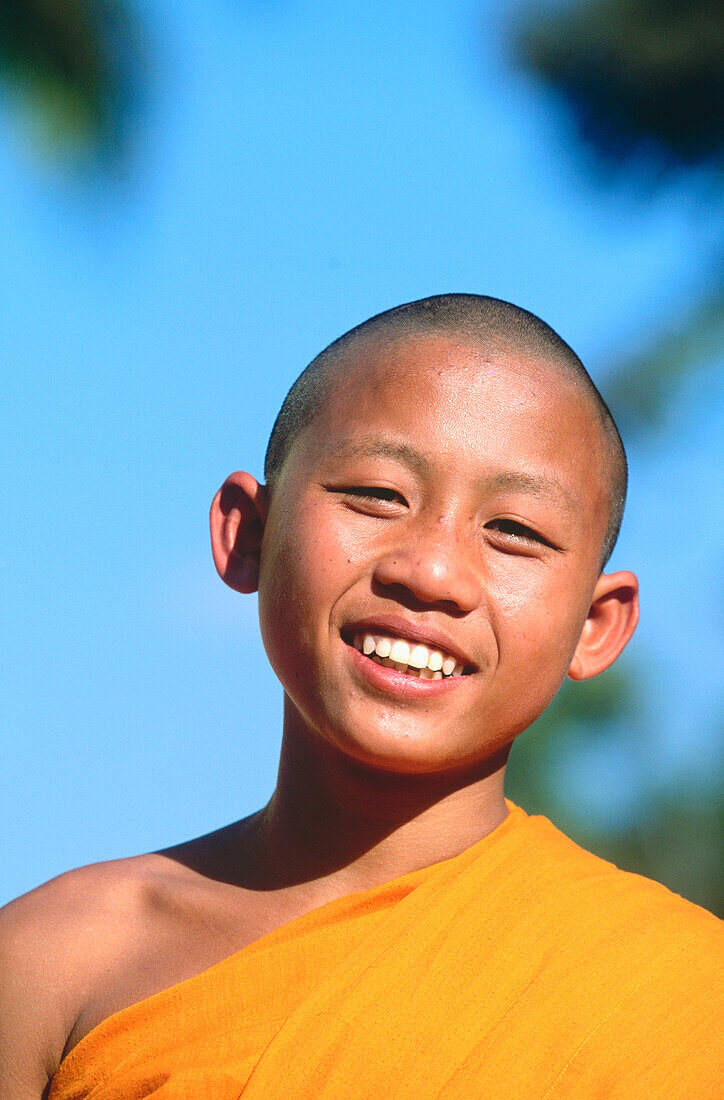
x=430 y=663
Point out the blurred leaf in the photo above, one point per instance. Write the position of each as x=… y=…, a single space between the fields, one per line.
x=75 y=67
x=579 y=711
x=674 y=836
x=677 y=838
x=682 y=838
x=642 y=386
x=643 y=78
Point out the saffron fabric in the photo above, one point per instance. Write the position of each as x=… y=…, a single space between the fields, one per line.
x=523 y=967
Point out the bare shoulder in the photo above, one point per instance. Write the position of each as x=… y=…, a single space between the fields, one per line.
x=98 y=939
x=56 y=942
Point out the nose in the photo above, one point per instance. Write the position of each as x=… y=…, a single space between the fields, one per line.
x=434 y=566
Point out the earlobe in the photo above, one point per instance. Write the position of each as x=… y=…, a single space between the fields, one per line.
x=611 y=621
x=237 y=518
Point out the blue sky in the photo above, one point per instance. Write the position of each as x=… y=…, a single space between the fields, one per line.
x=298 y=168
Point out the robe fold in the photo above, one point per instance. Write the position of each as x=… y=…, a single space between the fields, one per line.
x=523 y=967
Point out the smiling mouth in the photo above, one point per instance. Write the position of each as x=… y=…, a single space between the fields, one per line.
x=410 y=658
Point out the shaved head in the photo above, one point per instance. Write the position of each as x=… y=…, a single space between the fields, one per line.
x=494 y=327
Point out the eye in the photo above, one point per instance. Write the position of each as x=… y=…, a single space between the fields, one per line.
x=376 y=500
x=515 y=532
x=374 y=492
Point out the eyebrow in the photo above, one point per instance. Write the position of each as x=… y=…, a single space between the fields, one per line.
x=516 y=481
x=375 y=446
x=541 y=485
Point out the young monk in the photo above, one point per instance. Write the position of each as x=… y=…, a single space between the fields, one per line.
x=443 y=487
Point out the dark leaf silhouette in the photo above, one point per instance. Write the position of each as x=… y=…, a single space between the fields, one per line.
x=77 y=69
x=642 y=78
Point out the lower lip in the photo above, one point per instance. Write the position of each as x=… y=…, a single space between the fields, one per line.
x=401 y=684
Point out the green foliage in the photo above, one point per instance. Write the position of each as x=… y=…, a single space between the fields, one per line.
x=674 y=835
x=645 y=81
x=75 y=68
x=641 y=77
x=580 y=711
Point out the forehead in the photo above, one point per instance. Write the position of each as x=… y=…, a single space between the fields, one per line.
x=451 y=398
x=476 y=425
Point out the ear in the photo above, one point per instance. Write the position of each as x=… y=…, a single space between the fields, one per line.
x=610 y=623
x=237 y=518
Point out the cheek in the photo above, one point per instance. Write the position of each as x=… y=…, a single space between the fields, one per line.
x=537 y=616
x=536 y=633
x=303 y=571
x=519 y=592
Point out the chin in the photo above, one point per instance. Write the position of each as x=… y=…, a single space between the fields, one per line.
x=406 y=753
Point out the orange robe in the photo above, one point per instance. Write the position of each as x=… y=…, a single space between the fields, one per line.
x=523 y=967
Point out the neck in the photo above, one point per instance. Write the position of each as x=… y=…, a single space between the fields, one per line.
x=336 y=821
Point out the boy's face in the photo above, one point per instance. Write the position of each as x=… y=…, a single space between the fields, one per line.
x=451 y=501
